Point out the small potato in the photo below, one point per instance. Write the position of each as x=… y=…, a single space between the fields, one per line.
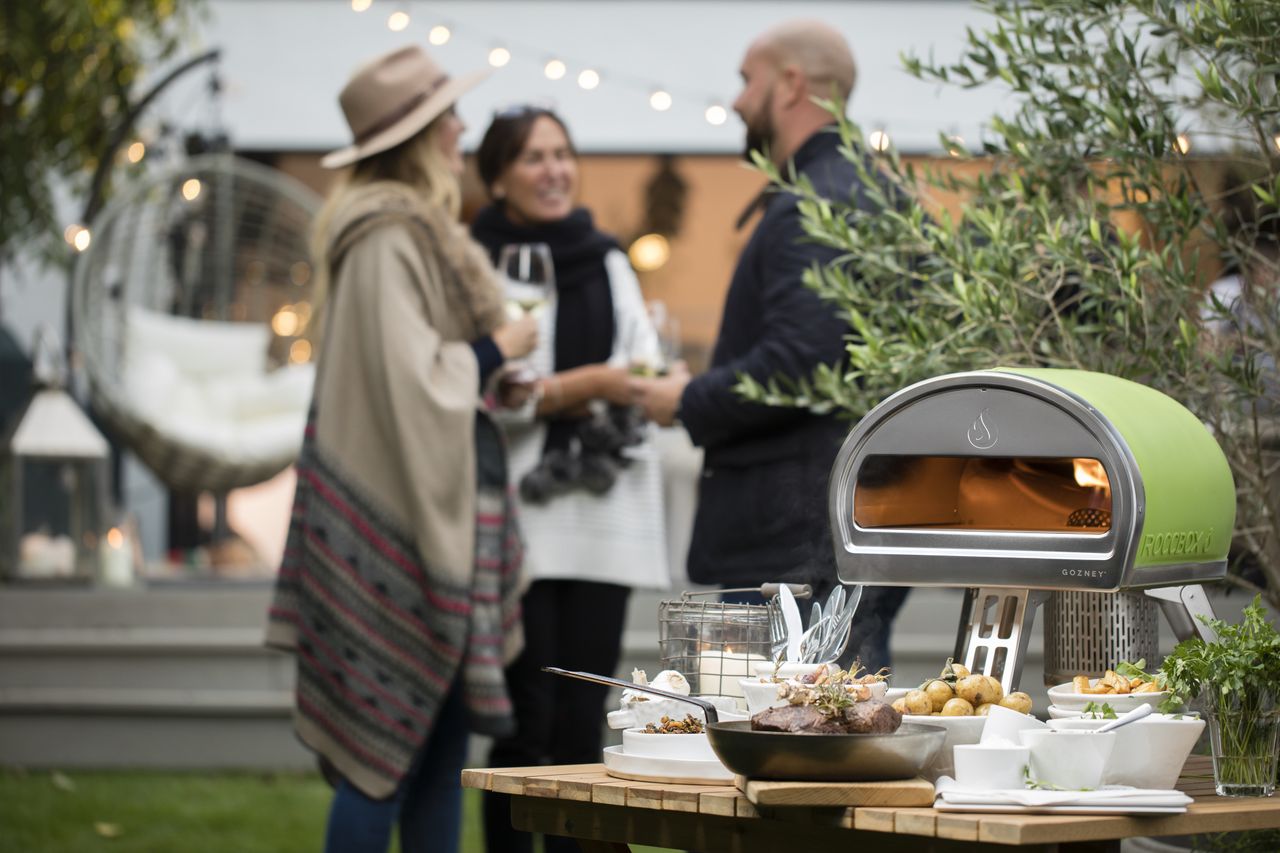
x=997 y=689
x=960 y=670
x=978 y=690
x=984 y=709
x=1018 y=701
x=918 y=702
x=939 y=693
x=957 y=708
x=900 y=705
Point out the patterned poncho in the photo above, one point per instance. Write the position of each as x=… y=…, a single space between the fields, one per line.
x=400 y=579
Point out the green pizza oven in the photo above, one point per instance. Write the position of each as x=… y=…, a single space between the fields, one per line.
x=1040 y=479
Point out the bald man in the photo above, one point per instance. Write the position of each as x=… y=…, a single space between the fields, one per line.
x=762 y=499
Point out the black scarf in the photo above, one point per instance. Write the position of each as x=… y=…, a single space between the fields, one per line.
x=584 y=303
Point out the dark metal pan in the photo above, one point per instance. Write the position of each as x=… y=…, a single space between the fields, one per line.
x=825 y=757
x=804 y=757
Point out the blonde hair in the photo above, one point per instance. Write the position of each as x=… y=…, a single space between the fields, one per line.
x=418 y=162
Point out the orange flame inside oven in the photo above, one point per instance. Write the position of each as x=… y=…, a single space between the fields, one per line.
x=1089 y=472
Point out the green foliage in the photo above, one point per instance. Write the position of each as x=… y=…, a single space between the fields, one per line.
x=1084 y=240
x=1241 y=667
x=1237 y=677
x=67 y=74
x=1095 y=711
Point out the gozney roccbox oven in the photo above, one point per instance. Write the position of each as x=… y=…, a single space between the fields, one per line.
x=1013 y=483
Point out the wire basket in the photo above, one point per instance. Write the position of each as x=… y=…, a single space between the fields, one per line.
x=713 y=644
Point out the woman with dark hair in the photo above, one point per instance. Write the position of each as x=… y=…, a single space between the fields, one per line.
x=399 y=589
x=590 y=484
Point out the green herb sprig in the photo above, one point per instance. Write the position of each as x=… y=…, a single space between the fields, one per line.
x=1104 y=711
x=1237 y=676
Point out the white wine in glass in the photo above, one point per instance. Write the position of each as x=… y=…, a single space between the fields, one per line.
x=529 y=277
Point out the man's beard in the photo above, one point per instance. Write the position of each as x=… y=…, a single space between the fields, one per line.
x=760 y=132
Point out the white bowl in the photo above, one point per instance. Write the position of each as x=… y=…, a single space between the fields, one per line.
x=1149 y=753
x=893 y=694
x=990 y=767
x=1072 y=759
x=637 y=715
x=762 y=694
x=1065 y=697
x=686 y=747
x=960 y=730
x=765 y=669
x=1004 y=724
x=1056 y=713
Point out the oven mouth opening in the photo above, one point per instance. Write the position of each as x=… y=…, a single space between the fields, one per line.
x=1032 y=494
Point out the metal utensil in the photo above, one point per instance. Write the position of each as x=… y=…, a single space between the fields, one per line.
x=825 y=757
x=707 y=708
x=777 y=631
x=791 y=616
x=837 y=636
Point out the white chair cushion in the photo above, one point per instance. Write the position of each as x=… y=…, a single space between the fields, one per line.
x=198 y=348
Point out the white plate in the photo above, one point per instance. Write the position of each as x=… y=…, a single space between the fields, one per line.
x=943 y=806
x=643 y=768
x=1064 y=696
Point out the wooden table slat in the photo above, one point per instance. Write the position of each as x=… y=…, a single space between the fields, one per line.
x=722 y=802
x=588 y=784
x=907 y=792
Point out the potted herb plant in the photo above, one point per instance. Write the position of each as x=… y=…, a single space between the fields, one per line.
x=1236 y=677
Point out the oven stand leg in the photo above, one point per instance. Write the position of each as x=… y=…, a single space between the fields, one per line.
x=1181 y=606
x=997 y=622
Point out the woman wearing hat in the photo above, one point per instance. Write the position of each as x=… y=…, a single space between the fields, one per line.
x=398 y=593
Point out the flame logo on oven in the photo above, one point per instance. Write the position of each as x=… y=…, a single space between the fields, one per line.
x=982 y=432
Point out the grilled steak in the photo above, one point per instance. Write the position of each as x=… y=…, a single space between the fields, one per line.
x=871 y=717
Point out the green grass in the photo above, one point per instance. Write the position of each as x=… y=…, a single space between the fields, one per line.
x=155 y=812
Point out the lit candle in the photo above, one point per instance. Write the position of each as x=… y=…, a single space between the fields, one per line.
x=719 y=671
x=117 y=565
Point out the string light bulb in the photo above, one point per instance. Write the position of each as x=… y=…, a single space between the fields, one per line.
x=878 y=140
x=300 y=351
x=360 y=5
x=398 y=21
x=588 y=78
x=439 y=34
x=191 y=189
x=1275 y=140
x=716 y=115
x=135 y=152
x=555 y=69
x=1182 y=144
x=78 y=236
x=499 y=57
x=649 y=252
x=285 y=322
x=660 y=100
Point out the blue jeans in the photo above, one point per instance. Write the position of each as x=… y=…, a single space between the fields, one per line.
x=428 y=803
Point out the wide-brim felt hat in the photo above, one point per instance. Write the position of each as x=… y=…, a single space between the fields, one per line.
x=393 y=97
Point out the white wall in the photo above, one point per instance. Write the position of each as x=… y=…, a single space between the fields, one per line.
x=285 y=60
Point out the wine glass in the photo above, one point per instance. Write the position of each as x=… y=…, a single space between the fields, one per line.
x=529 y=277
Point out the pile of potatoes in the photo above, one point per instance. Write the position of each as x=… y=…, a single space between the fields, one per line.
x=957 y=693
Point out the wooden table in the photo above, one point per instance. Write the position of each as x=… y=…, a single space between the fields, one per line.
x=607 y=814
